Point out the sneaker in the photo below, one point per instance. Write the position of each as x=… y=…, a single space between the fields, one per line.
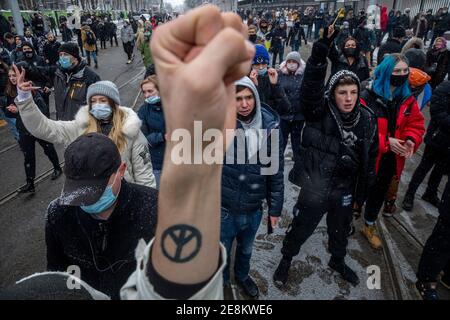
x=56 y=173
x=249 y=286
x=345 y=271
x=389 y=208
x=28 y=188
x=431 y=199
x=445 y=281
x=96 y=66
x=370 y=233
x=427 y=290
x=282 y=272
x=408 y=202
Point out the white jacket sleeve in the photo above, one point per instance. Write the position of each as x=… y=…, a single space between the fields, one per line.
x=141 y=162
x=44 y=128
x=138 y=286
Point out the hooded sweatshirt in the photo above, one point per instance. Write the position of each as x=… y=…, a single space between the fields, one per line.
x=252 y=128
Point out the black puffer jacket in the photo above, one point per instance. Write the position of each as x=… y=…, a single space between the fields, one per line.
x=438 y=132
x=51 y=52
x=326 y=163
x=103 y=249
x=391 y=46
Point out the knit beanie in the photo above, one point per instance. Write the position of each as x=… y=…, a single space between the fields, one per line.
x=104 y=88
x=294 y=55
x=70 y=48
x=261 y=55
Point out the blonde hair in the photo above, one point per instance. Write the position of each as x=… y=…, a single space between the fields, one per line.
x=153 y=79
x=116 y=134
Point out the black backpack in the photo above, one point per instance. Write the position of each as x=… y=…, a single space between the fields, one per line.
x=90 y=38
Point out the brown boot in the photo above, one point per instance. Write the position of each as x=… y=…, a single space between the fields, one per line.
x=370 y=233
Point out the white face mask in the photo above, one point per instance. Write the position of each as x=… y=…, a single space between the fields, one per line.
x=292 y=66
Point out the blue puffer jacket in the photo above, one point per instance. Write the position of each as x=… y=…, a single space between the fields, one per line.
x=154 y=129
x=243 y=186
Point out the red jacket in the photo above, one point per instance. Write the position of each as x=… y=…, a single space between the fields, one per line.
x=383 y=19
x=409 y=125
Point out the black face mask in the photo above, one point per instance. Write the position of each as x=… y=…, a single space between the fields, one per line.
x=417 y=91
x=28 y=54
x=252 y=38
x=350 y=52
x=248 y=117
x=398 y=81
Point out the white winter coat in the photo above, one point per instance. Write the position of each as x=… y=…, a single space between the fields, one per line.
x=136 y=153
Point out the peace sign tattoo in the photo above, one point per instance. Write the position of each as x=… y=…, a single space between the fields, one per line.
x=181 y=243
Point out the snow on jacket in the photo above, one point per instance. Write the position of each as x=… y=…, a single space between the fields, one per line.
x=326 y=160
x=136 y=154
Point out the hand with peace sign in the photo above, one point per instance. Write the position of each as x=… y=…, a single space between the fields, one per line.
x=22 y=84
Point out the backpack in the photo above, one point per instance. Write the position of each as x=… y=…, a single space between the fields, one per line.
x=90 y=38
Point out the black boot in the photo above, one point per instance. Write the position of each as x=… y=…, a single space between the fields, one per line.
x=408 y=202
x=249 y=286
x=56 y=173
x=28 y=188
x=431 y=198
x=348 y=274
x=281 y=274
x=427 y=290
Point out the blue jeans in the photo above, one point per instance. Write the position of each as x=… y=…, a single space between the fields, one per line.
x=243 y=228
x=94 y=56
x=11 y=125
x=157 y=174
x=295 y=45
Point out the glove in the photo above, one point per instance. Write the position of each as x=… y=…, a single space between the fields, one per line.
x=319 y=52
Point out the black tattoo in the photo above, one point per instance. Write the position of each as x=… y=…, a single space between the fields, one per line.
x=181 y=235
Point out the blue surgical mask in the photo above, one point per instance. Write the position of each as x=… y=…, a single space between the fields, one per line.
x=153 y=100
x=106 y=201
x=65 y=62
x=101 y=111
x=262 y=72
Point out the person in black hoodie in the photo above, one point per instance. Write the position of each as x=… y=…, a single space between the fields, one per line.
x=350 y=59
x=337 y=160
x=99 y=219
x=27 y=141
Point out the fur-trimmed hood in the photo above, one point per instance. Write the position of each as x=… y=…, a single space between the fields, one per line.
x=300 y=70
x=130 y=128
x=414 y=42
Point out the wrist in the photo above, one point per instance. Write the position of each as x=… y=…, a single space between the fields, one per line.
x=23 y=95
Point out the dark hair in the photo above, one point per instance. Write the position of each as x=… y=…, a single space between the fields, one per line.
x=8 y=35
x=348 y=39
x=347 y=80
x=242 y=88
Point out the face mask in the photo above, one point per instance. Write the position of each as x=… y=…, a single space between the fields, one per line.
x=28 y=54
x=101 y=111
x=252 y=38
x=292 y=66
x=65 y=62
x=398 y=81
x=106 y=201
x=153 y=100
x=262 y=72
x=350 y=52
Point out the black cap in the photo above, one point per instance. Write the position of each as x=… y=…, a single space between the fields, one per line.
x=90 y=161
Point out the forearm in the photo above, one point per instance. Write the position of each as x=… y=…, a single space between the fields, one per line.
x=189 y=199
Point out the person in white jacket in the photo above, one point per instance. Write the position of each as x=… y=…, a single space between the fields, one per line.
x=103 y=114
